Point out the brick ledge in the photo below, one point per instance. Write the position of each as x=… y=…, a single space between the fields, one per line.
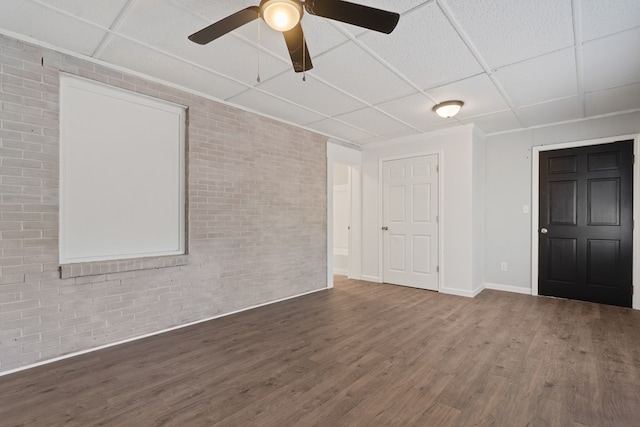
x=119 y=266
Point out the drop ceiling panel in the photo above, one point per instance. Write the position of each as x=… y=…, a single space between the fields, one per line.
x=55 y=28
x=274 y=107
x=550 y=112
x=216 y=10
x=496 y=122
x=360 y=74
x=178 y=23
x=601 y=19
x=540 y=79
x=612 y=61
x=397 y=6
x=612 y=100
x=416 y=111
x=131 y=55
x=227 y=55
x=390 y=136
x=101 y=12
x=374 y=121
x=478 y=93
x=340 y=130
x=311 y=93
x=507 y=31
x=429 y=55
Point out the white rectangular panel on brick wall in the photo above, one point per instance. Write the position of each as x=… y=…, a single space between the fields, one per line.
x=122 y=174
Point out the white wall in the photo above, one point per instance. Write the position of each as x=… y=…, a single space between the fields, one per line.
x=508 y=188
x=455 y=148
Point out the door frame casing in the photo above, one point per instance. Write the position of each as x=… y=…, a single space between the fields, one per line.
x=440 y=156
x=535 y=195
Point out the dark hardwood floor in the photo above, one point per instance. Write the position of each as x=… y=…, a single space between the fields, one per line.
x=361 y=354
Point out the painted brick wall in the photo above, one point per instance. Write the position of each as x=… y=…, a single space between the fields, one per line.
x=256 y=220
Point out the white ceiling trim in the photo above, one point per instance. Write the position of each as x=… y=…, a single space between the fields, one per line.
x=409 y=138
x=546 y=125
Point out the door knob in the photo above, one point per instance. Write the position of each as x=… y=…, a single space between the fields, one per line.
x=544 y=230
x=385 y=228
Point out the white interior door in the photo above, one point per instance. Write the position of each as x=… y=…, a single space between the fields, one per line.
x=410 y=221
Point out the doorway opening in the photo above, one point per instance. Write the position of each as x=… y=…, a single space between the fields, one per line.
x=341 y=218
x=344 y=227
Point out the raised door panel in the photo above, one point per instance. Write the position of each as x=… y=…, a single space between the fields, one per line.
x=397 y=253
x=609 y=160
x=563 y=260
x=422 y=203
x=422 y=255
x=563 y=202
x=603 y=201
x=397 y=203
x=603 y=262
x=563 y=164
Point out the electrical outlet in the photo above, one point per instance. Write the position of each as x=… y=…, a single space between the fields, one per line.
x=503 y=266
x=525 y=209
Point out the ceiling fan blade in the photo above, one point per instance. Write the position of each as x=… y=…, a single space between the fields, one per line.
x=298 y=49
x=222 y=27
x=355 y=14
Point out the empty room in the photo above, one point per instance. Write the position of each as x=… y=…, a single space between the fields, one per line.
x=319 y=213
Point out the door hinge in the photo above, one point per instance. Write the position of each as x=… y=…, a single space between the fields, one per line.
x=437 y=218
x=437 y=168
x=437 y=269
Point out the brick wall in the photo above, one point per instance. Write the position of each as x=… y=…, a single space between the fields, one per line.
x=256 y=219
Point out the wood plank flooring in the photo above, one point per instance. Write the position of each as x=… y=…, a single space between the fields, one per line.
x=361 y=354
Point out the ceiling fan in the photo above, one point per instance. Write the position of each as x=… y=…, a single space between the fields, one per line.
x=285 y=15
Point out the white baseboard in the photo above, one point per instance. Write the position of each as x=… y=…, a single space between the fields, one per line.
x=478 y=290
x=508 y=288
x=459 y=292
x=340 y=272
x=139 y=337
x=366 y=278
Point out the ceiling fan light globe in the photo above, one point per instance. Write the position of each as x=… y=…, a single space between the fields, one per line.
x=448 y=109
x=281 y=15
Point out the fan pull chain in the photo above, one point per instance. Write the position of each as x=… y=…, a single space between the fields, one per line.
x=258 y=78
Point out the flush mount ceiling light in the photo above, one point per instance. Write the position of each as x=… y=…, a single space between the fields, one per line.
x=448 y=109
x=281 y=15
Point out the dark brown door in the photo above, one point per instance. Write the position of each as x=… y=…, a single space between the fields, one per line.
x=586 y=221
